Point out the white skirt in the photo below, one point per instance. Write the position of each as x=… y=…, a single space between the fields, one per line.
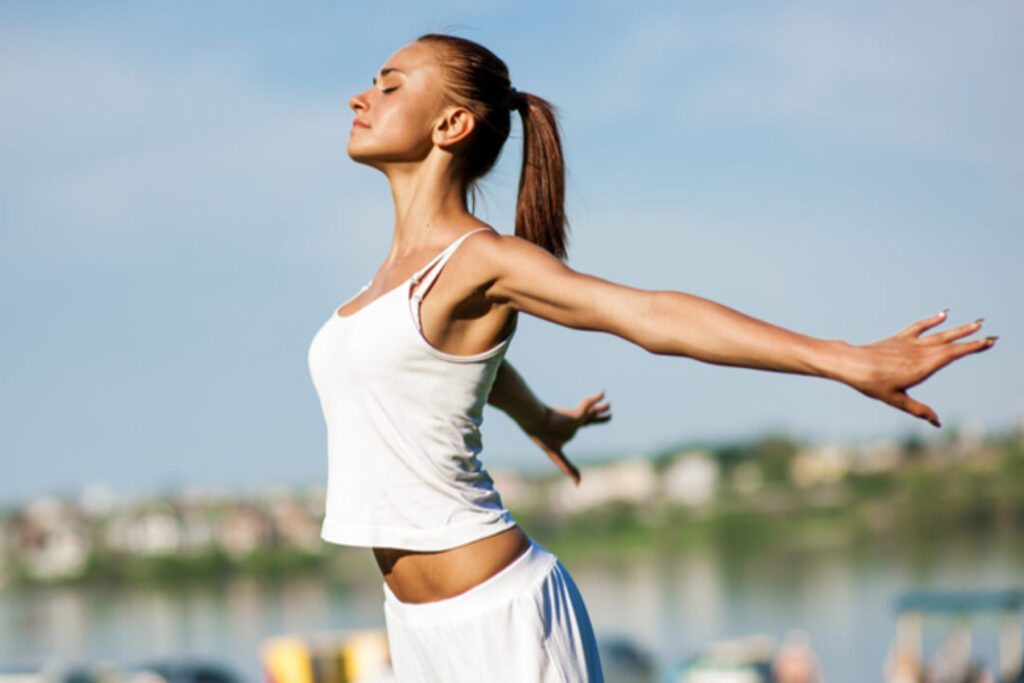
x=526 y=623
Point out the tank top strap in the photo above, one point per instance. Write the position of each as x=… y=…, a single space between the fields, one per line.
x=425 y=277
x=421 y=282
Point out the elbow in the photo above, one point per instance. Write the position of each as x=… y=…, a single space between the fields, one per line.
x=651 y=330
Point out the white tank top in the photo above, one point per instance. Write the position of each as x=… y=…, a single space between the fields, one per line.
x=403 y=427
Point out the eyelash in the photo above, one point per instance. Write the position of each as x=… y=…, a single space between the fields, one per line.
x=389 y=90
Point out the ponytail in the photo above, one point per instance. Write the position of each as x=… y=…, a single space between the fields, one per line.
x=475 y=78
x=540 y=209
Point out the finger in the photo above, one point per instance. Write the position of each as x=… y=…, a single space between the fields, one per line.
x=920 y=326
x=962 y=349
x=952 y=352
x=938 y=357
x=915 y=408
x=956 y=333
x=584 y=406
x=596 y=419
x=557 y=457
x=600 y=413
x=567 y=467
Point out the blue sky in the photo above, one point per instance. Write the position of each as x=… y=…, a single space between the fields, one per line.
x=179 y=216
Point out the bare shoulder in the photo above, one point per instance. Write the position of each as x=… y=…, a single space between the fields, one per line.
x=500 y=255
x=492 y=244
x=514 y=271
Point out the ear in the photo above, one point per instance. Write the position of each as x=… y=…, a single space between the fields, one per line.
x=454 y=126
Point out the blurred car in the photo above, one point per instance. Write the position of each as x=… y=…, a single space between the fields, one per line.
x=623 y=661
x=355 y=656
x=182 y=671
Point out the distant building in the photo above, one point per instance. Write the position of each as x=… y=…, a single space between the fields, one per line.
x=632 y=481
x=153 y=530
x=242 y=529
x=293 y=524
x=822 y=464
x=514 y=489
x=197 y=531
x=692 y=479
x=50 y=536
x=877 y=457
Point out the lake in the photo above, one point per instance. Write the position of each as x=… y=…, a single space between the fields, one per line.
x=670 y=604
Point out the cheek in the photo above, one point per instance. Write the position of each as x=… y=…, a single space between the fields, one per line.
x=397 y=133
x=406 y=124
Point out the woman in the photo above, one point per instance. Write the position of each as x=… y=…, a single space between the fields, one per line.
x=404 y=367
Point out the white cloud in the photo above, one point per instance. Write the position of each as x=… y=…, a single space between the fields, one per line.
x=931 y=76
x=936 y=77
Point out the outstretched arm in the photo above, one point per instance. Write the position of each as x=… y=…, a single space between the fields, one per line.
x=549 y=428
x=529 y=279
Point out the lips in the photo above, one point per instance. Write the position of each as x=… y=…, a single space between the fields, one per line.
x=359 y=124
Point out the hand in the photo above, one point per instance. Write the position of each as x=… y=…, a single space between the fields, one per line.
x=885 y=369
x=560 y=425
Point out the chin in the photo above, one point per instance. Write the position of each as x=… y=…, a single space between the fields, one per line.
x=360 y=156
x=377 y=155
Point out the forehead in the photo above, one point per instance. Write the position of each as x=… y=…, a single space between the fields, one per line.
x=412 y=57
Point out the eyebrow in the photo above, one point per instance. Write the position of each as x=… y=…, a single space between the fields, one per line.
x=385 y=72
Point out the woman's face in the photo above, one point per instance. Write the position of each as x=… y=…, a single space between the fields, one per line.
x=394 y=118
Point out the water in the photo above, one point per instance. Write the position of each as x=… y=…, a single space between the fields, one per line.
x=670 y=605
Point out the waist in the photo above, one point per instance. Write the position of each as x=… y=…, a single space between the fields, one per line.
x=421 y=577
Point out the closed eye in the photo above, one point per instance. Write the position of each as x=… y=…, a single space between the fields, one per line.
x=389 y=90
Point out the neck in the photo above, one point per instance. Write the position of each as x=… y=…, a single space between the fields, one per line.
x=428 y=204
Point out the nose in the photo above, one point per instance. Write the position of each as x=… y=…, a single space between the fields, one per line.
x=358 y=102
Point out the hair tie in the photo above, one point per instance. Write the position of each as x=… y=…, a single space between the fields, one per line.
x=513 y=98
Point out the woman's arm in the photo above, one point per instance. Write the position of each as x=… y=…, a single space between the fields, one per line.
x=674 y=323
x=549 y=428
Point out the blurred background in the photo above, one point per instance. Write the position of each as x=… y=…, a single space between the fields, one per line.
x=179 y=217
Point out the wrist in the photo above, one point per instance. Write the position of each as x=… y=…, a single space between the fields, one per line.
x=837 y=360
x=536 y=421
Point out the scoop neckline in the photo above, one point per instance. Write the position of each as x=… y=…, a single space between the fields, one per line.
x=409 y=279
x=337 y=310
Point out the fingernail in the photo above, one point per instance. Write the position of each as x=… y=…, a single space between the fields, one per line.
x=943 y=312
x=990 y=340
x=979 y=321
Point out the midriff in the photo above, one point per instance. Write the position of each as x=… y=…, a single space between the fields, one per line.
x=417 y=576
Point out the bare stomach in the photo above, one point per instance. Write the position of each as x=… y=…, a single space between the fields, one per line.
x=416 y=576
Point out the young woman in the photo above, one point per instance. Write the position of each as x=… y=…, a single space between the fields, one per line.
x=404 y=368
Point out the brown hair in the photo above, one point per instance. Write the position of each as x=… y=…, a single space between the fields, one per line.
x=475 y=78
